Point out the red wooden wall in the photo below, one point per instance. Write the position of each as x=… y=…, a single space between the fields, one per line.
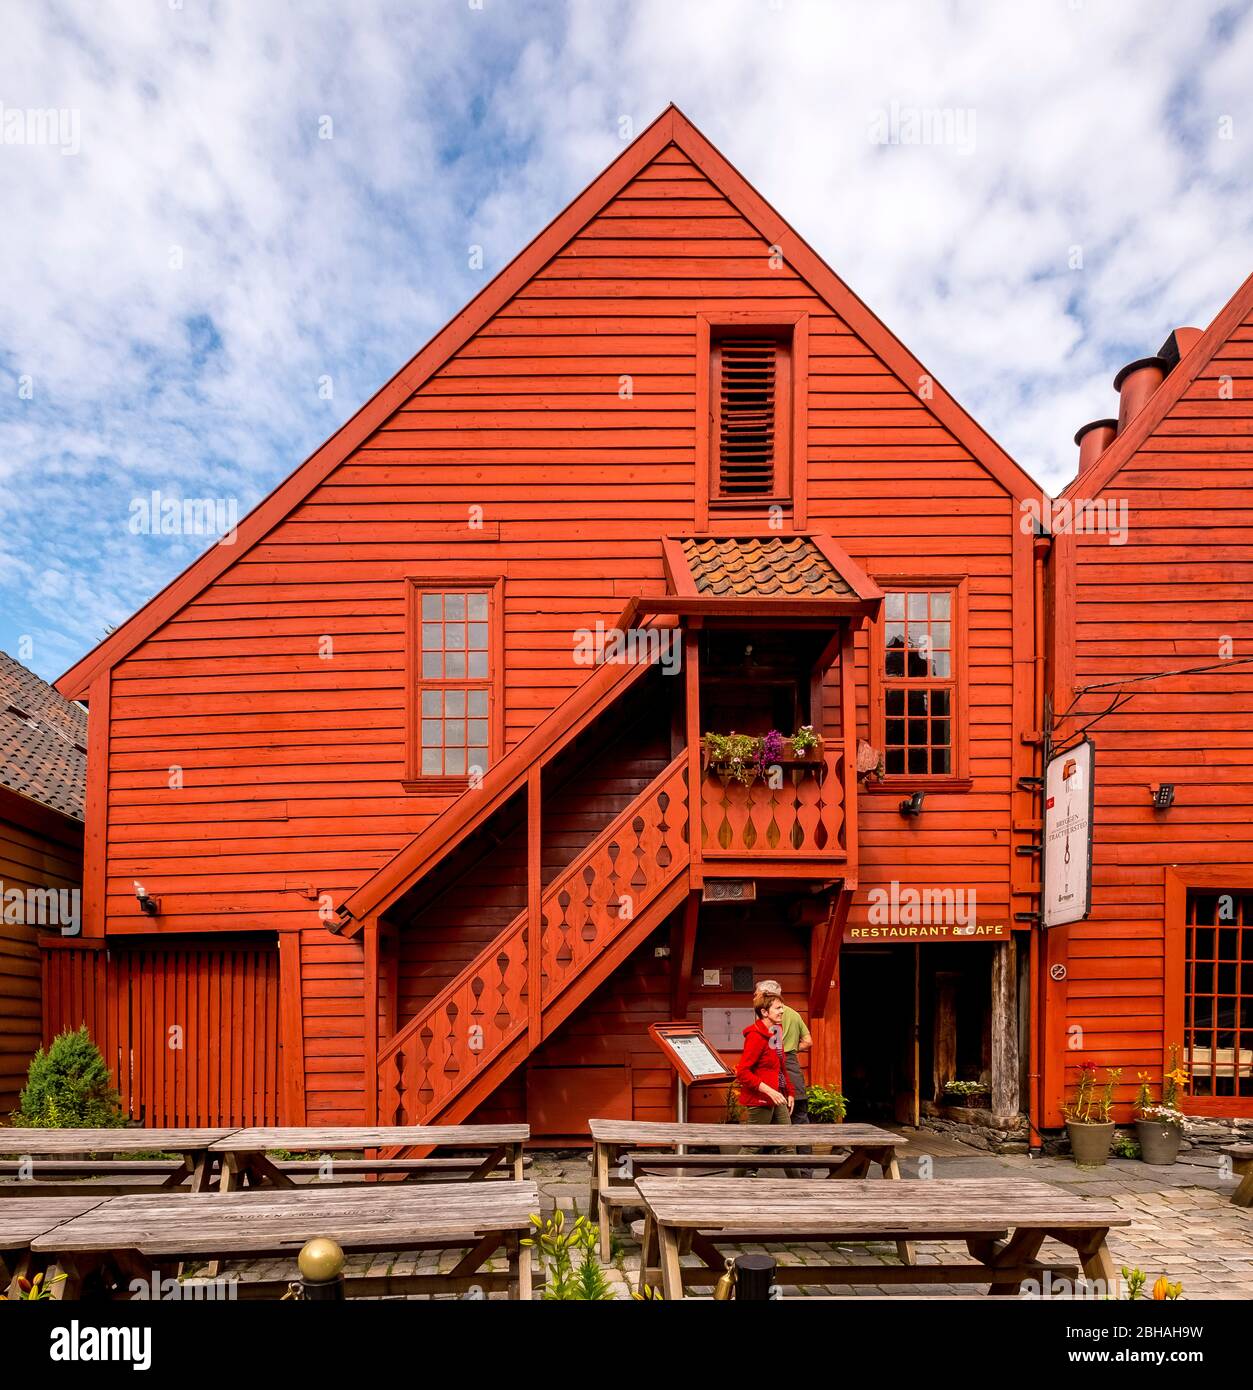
x=190 y=1032
x=1163 y=601
x=39 y=849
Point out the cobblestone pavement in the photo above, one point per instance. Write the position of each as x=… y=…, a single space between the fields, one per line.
x=1182 y=1221
x=1182 y=1224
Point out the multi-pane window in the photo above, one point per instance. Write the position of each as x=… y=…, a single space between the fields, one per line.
x=919 y=682
x=454 y=675
x=1218 y=993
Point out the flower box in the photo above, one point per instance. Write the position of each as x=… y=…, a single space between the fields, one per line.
x=743 y=767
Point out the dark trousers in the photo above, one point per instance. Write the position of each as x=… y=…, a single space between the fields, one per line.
x=800 y=1111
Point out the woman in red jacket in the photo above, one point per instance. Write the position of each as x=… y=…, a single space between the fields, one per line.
x=766 y=1091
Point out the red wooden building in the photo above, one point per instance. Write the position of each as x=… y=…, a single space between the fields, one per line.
x=43 y=773
x=371 y=834
x=1152 y=636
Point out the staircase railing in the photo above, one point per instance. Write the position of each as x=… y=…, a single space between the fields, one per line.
x=476 y=1018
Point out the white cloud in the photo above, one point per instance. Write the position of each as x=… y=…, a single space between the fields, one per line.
x=1096 y=124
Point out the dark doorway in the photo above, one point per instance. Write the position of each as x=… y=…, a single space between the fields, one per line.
x=876 y=1026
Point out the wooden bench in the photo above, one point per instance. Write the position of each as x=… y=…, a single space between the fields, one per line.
x=496 y=1151
x=407 y=1167
x=1002 y=1222
x=614 y=1142
x=22 y=1219
x=45 y=1162
x=1241 y=1156
x=644 y=1161
x=126 y=1239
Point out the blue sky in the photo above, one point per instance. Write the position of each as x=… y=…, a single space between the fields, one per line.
x=197 y=286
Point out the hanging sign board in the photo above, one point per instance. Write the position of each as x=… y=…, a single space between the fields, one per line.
x=689 y=1053
x=1068 y=802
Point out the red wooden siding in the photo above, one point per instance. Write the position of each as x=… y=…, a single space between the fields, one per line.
x=191 y=1033
x=1163 y=601
x=569 y=419
x=40 y=850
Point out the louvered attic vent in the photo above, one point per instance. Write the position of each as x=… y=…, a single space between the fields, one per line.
x=751 y=380
x=746 y=414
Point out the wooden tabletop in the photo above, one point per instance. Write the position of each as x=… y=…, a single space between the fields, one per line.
x=309 y=1138
x=243 y=1223
x=764 y=1136
x=24 y=1218
x=935 y=1207
x=108 y=1141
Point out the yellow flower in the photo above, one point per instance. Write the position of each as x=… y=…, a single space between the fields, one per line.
x=1164 y=1289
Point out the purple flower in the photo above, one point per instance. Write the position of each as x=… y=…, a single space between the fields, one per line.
x=770 y=751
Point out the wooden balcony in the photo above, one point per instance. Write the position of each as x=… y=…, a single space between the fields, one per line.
x=795 y=828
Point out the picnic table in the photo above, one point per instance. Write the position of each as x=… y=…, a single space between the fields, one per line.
x=43 y=1161
x=704 y=1216
x=618 y=1145
x=494 y=1149
x=122 y=1239
x=24 y=1218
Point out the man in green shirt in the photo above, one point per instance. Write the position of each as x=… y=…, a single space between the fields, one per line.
x=796 y=1040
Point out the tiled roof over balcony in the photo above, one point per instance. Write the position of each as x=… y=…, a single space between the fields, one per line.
x=778 y=566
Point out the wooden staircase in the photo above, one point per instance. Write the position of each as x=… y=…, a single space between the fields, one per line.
x=458 y=1048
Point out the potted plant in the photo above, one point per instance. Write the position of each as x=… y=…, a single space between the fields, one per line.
x=826 y=1106
x=1089 y=1117
x=745 y=757
x=1159 y=1124
x=964 y=1093
x=804 y=746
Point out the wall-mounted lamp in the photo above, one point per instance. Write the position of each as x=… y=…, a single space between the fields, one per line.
x=1163 y=794
x=148 y=906
x=912 y=805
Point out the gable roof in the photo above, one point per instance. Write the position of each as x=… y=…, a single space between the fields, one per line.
x=671 y=127
x=1189 y=367
x=43 y=741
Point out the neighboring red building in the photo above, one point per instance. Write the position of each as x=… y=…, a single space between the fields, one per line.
x=666 y=415
x=1162 y=620
x=43 y=775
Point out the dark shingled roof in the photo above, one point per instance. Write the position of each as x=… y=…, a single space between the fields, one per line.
x=43 y=741
x=779 y=567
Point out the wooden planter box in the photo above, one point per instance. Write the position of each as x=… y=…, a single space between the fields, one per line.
x=815 y=757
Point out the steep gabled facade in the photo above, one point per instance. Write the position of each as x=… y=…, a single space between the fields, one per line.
x=432 y=859
x=1153 y=612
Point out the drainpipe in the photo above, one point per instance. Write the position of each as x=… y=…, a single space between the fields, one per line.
x=1034 y=993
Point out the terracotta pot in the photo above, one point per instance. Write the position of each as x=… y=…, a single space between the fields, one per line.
x=1159 y=1143
x=1089 y=1144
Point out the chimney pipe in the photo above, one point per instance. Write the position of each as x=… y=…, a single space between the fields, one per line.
x=1135 y=384
x=1093 y=439
x=1179 y=342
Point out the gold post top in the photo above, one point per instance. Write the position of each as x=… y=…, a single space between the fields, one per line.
x=321 y=1259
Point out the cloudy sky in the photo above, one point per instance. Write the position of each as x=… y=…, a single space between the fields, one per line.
x=197 y=287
